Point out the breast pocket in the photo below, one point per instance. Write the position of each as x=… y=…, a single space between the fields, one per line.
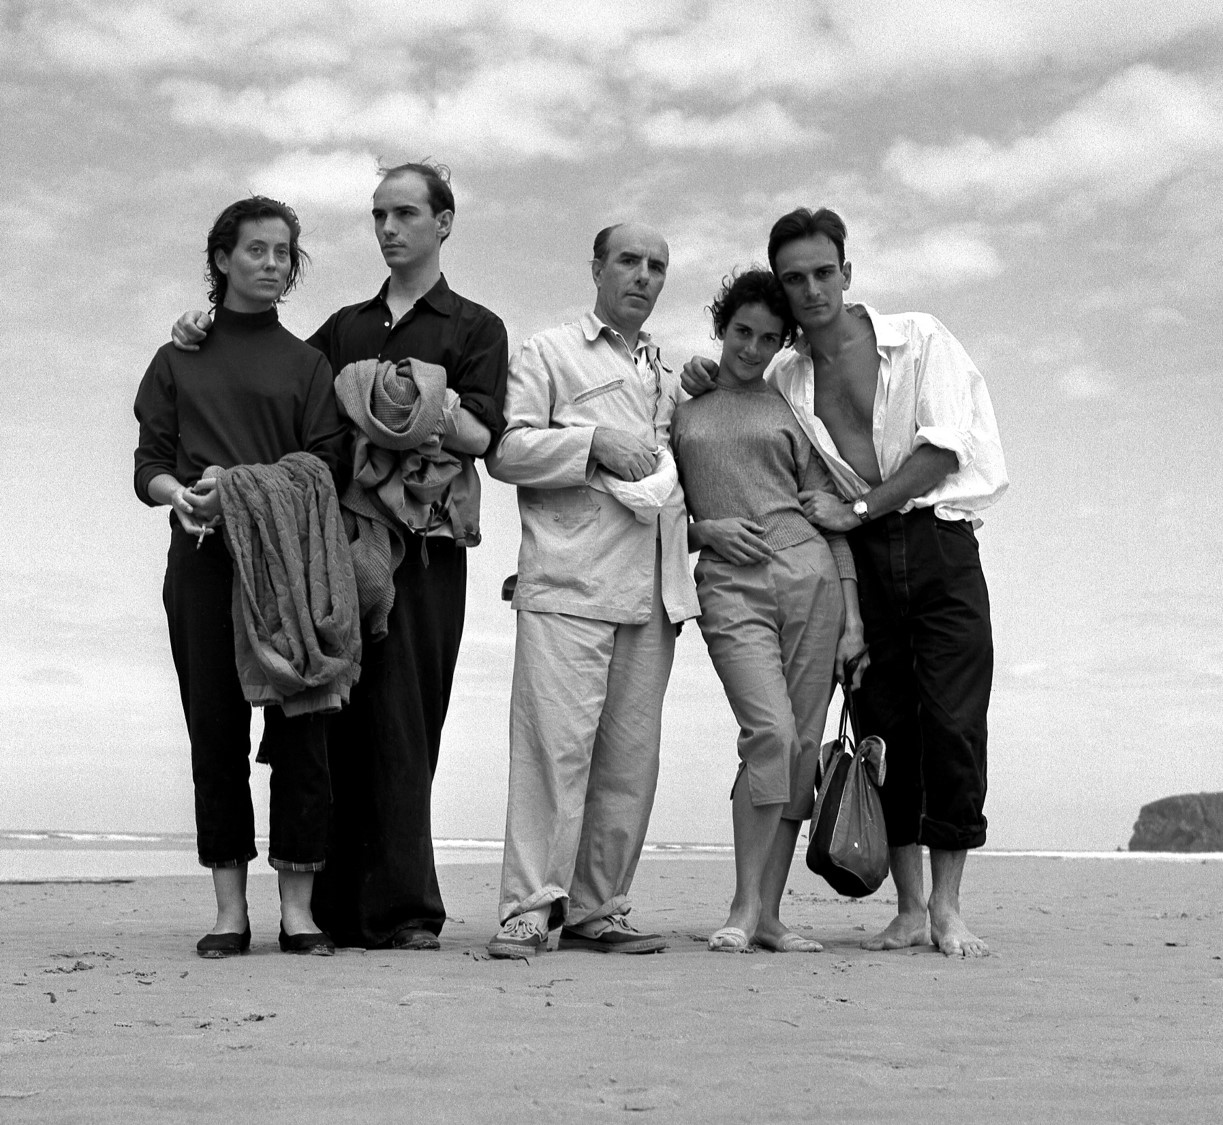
x=596 y=392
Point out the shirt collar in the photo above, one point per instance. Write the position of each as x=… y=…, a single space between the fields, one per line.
x=440 y=298
x=887 y=335
x=593 y=327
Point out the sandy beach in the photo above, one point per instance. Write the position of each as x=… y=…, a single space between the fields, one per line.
x=1102 y=1002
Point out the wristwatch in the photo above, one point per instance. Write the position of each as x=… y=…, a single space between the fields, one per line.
x=861 y=511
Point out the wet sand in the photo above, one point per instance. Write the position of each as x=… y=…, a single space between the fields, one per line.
x=1102 y=1002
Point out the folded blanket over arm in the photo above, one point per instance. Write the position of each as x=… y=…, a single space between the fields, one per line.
x=403 y=481
x=297 y=633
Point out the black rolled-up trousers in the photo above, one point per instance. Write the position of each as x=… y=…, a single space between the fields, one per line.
x=197 y=596
x=925 y=608
x=380 y=876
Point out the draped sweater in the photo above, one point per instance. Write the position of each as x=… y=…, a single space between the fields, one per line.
x=297 y=633
x=741 y=453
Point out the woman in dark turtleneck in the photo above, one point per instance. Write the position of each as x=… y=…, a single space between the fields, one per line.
x=254 y=394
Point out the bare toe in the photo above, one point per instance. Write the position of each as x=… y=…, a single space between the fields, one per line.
x=905 y=930
x=787 y=942
x=954 y=939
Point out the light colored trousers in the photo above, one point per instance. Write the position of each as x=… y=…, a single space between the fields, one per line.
x=772 y=630
x=585 y=728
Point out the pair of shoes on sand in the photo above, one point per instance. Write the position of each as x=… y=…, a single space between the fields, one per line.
x=527 y=934
x=215 y=946
x=731 y=939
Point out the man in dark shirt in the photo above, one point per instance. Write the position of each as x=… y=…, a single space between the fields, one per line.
x=379 y=888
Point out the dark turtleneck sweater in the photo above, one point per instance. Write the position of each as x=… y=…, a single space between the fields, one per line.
x=252 y=393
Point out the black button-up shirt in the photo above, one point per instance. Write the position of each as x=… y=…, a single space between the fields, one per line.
x=466 y=339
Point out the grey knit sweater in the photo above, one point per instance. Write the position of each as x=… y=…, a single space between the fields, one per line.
x=741 y=452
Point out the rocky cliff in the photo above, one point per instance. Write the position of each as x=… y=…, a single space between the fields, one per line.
x=1190 y=823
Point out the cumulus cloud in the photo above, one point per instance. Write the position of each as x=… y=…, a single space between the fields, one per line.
x=331 y=180
x=513 y=110
x=746 y=128
x=821 y=47
x=1137 y=131
x=940 y=258
x=113 y=38
x=1084 y=382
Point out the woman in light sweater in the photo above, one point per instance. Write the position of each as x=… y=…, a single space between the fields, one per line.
x=251 y=395
x=779 y=600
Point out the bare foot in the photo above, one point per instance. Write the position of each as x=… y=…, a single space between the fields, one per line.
x=952 y=937
x=778 y=939
x=904 y=931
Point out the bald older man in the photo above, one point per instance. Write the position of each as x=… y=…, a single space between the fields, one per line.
x=603 y=582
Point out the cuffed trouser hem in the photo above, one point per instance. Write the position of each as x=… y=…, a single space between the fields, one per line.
x=220 y=864
x=554 y=899
x=290 y=865
x=940 y=837
x=579 y=916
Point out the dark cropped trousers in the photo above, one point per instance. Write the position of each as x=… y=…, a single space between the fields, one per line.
x=380 y=877
x=925 y=608
x=197 y=596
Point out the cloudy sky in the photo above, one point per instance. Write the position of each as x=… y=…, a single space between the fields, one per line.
x=1045 y=178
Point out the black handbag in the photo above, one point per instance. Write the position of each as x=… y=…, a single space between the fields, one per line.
x=848 y=841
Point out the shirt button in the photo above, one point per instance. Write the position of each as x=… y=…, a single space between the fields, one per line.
x=386 y=324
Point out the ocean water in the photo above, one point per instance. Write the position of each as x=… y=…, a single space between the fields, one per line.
x=37 y=856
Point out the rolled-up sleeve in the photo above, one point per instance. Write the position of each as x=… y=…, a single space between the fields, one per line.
x=532 y=451
x=944 y=402
x=480 y=380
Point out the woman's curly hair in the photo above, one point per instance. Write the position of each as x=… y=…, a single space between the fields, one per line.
x=753 y=286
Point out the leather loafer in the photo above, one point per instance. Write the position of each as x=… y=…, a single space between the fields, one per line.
x=319 y=944
x=214 y=946
x=415 y=938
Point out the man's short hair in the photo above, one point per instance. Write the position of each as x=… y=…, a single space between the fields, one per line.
x=227 y=228
x=805 y=223
x=602 y=239
x=437 y=182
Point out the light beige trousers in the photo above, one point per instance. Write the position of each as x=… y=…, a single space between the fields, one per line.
x=772 y=629
x=585 y=728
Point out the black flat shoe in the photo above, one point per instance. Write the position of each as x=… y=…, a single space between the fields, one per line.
x=214 y=946
x=319 y=944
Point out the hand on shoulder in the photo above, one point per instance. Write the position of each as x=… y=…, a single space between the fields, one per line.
x=698 y=375
x=190 y=330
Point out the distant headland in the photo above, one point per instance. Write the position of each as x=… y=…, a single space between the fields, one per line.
x=1189 y=823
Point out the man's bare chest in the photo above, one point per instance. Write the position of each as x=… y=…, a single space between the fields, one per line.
x=845 y=392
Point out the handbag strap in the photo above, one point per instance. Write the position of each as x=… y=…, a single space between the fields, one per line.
x=849 y=716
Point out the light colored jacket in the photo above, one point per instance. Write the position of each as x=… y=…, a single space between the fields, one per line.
x=583 y=552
